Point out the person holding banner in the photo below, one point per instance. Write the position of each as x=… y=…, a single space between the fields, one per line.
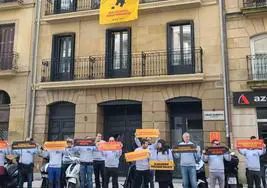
x=98 y=163
x=188 y=161
x=112 y=160
x=216 y=165
x=252 y=157
x=163 y=153
x=66 y=161
x=4 y=150
x=26 y=162
x=142 y=168
x=86 y=169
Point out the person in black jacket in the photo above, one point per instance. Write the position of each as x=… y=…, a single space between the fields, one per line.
x=231 y=169
x=263 y=162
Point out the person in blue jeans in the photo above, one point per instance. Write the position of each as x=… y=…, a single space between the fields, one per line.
x=86 y=168
x=188 y=164
x=54 y=167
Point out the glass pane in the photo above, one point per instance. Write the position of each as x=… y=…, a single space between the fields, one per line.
x=175 y=51
x=260 y=45
x=124 y=49
x=116 y=52
x=65 y=5
x=187 y=44
x=65 y=54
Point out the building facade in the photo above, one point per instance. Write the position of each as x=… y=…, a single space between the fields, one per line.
x=247 y=48
x=160 y=71
x=16 y=23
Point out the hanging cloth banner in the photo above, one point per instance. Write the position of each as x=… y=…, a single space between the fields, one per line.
x=109 y=146
x=249 y=144
x=116 y=11
x=56 y=145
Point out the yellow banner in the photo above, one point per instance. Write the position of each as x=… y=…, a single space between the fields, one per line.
x=143 y=133
x=116 y=11
x=57 y=145
x=161 y=165
x=136 y=155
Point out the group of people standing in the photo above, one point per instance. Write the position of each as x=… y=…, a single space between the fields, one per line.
x=105 y=164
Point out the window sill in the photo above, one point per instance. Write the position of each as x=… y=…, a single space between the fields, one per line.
x=120 y=82
x=253 y=11
x=257 y=84
x=143 y=8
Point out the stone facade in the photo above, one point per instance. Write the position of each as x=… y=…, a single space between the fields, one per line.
x=15 y=82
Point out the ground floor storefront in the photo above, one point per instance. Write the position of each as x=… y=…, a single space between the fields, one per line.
x=119 y=111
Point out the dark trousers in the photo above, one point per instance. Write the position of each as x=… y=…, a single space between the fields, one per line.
x=63 y=175
x=254 y=176
x=25 y=174
x=141 y=176
x=164 y=184
x=263 y=168
x=151 y=178
x=99 y=167
x=2 y=181
x=111 y=172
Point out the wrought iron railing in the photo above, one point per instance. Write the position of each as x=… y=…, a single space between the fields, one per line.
x=153 y=63
x=8 y=61
x=254 y=3
x=65 y=6
x=257 y=67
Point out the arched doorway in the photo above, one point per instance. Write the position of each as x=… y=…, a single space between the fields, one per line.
x=185 y=116
x=4 y=114
x=61 y=121
x=121 y=119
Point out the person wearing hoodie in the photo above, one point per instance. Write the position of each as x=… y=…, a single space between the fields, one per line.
x=86 y=168
x=26 y=163
x=98 y=163
x=163 y=153
x=54 y=167
x=252 y=157
x=112 y=160
x=3 y=153
x=188 y=163
x=142 y=168
x=216 y=166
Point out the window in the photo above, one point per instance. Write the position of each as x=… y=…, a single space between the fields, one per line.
x=118 y=52
x=181 y=47
x=63 y=57
x=62 y=6
x=6 y=46
x=259 y=57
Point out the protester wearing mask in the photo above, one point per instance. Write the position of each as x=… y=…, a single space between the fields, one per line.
x=98 y=163
x=163 y=153
x=216 y=165
x=26 y=163
x=252 y=157
x=188 y=163
x=112 y=160
x=142 y=168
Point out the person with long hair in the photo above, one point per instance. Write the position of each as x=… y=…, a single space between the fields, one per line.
x=163 y=153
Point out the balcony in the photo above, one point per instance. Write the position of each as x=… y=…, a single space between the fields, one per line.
x=257 y=71
x=137 y=68
x=254 y=6
x=76 y=9
x=10 y=4
x=8 y=63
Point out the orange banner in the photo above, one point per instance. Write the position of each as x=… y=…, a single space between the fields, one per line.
x=143 y=133
x=249 y=144
x=57 y=145
x=3 y=144
x=215 y=136
x=109 y=146
x=136 y=155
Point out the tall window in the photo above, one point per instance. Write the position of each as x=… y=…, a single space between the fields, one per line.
x=62 y=6
x=4 y=114
x=181 y=47
x=118 y=52
x=259 y=57
x=7 y=33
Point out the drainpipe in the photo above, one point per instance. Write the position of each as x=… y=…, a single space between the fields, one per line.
x=34 y=65
x=224 y=59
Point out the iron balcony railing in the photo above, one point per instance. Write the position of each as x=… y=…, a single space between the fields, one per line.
x=9 y=1
x=153 y=63
x=65 y=6
x=254 y=3
x=257 y=67
x=8 y=61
